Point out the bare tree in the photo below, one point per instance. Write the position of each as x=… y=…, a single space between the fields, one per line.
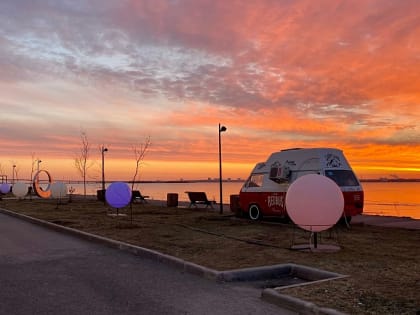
x=81 y=161
x=139 y=151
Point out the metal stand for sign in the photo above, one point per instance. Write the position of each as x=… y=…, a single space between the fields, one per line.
x=118 y=214
x=315 y=237
x=315 y=241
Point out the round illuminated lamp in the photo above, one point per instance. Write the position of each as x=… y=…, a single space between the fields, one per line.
x=58 y=190
x=118 y=195
x=5 y=188
x=314 y=202
x=20 y=189
x=43 y=193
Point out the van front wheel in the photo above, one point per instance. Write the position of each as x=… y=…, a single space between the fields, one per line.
x=254 y=213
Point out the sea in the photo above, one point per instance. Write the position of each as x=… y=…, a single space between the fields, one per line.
x=401 y=199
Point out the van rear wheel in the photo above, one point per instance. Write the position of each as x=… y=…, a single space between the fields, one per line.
x=254 y=213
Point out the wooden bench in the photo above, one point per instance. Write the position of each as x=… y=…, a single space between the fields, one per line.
x=137 y=196
x=199 y=198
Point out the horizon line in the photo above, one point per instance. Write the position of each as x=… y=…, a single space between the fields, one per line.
x=380 y=179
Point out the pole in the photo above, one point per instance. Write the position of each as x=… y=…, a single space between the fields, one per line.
x=103 y=169
x=103 y=150
x=220 y=171
x=221 y=129
x=13 y=174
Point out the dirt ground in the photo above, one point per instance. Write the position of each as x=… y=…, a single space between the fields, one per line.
x=383 y=263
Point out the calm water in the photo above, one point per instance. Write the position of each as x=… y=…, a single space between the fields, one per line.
x=381 y=198
x=397 y=199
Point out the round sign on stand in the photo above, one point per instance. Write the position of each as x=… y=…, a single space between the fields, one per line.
x=41 y=192
x=58 y=190
x=5 y=188
x=20 y=189
x=314 y=203
x=118 y=195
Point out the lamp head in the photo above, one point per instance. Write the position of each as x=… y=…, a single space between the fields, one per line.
x=222 y=129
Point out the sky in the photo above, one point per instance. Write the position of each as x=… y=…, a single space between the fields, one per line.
x=277 y=73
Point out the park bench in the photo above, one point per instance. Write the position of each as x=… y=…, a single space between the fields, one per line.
x=199 y=198
x=137 y=196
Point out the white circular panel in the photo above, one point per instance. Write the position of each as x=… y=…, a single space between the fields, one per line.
x=118 y=194
x=58 y=190
x=20 y=189
x=314 y=202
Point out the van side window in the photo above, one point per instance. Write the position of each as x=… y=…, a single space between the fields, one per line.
x=256 y=180
x=342 y=177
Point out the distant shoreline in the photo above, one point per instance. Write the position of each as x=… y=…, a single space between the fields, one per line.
x=391 y=180
x=239 y=180
x=373 y=180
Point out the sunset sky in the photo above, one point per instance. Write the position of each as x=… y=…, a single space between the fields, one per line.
x=276 y=73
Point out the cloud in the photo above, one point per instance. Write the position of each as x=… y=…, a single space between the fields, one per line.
x=222 y=53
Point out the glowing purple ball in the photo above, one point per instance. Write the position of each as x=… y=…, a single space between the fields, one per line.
x=5 y=188
x=118 y=194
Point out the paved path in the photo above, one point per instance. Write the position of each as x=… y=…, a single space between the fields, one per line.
x=46 y=272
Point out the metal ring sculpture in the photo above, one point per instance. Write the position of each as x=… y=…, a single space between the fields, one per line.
x=38 y=189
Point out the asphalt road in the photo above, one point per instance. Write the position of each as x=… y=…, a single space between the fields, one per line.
x=46 y=272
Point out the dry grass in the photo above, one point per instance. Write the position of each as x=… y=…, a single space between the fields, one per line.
x=383 y=263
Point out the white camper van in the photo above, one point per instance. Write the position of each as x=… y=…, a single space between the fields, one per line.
x=264 y=192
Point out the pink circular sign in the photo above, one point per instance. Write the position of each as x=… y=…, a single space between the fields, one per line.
x=314 y=202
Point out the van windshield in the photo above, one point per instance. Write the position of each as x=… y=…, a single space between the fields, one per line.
x=342 y=177
x=255 y=180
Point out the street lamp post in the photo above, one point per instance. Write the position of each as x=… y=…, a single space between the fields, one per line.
x=221 y=129
x=103 y=150
x=39 y=161
x=13 y=175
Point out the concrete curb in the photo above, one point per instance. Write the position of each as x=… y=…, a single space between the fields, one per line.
x=310 y=274
x=247 y=274
x=294 y=304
